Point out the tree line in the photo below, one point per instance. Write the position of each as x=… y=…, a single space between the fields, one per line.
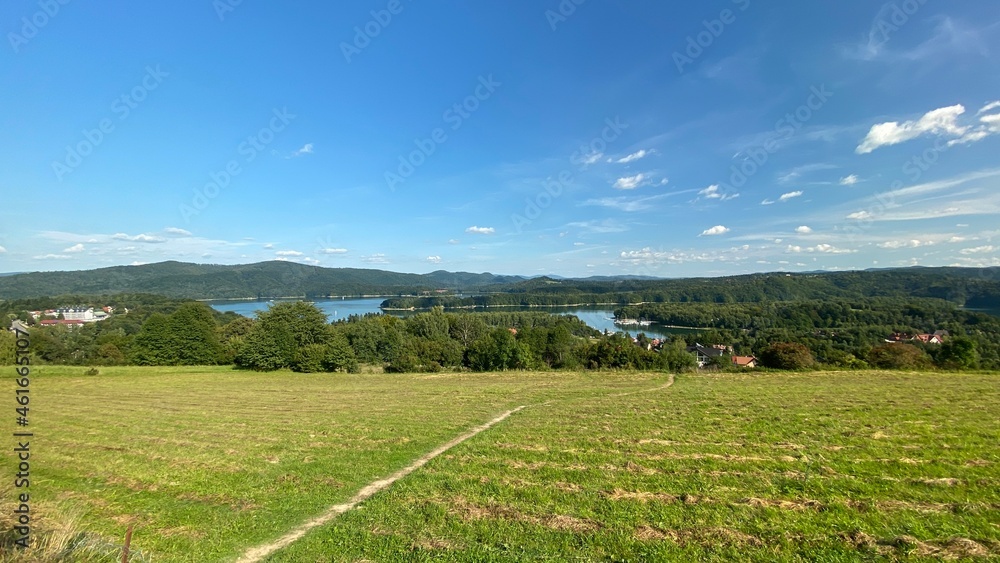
x=846 y=333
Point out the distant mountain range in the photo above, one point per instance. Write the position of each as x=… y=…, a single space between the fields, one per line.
x=977 y=287
x=245 y=281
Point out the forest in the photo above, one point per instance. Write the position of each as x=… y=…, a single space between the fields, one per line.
x=847 y=333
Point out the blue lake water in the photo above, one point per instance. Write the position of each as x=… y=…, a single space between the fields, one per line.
x=338 y=309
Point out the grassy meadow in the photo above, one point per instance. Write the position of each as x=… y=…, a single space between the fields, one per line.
x=208 y=462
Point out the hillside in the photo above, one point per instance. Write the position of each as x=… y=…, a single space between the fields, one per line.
x=261 y=280
x=971 y=287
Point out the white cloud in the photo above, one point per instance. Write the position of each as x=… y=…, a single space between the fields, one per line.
x=592 y=157
x=453 y=241
x=642 y=153
x=269 y=246
x=941 y=121
x=177 y=232
x=480 y=230
x=306 y=149
x=2 y=250
x=820 y=248
x=860 y=215
x=803 y=230
x=434 y=259
x=790 y=195
x=913 y=243
x=989 y=107
x=75 y=248
x=714 y=231
x=333 y=251
x=767 y=202
x=288 y=253
x=138 y=238
x=978 y=250
x=714 y=192
x=849 y=180
x=630 y=182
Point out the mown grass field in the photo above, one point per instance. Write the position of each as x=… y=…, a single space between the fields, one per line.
x=607 y=467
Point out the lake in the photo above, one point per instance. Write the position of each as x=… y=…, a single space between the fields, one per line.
x=337 y=309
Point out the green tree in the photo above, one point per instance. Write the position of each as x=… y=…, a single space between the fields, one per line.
x=958 y=353
x=260 y=351
x=787 y=355
x=338 y=355
x=498 y=351
x=898 y=356
x=8 y=348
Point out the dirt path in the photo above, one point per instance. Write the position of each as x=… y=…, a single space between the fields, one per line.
x=259 y=553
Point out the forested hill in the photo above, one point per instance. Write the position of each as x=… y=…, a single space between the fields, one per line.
x=261 y=280
x=971 y=287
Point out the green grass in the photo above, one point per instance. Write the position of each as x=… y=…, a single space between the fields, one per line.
x=821 y=466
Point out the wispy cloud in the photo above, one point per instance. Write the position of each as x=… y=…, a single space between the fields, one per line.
x=941 y=122
x=601 y=227
x=799 y=171
x=378 y=258
x=306 y=149
x=138 y=238
x=289 y=253
x=790 y=195
x=642 y=153
x=75 y=248
x=715 y=192
x=849 y=180
x=333 y=251
x=177 y=232
x=949 y=38
x=821 y=248
x=434 y=259
x=630 y=182
x=52 y=257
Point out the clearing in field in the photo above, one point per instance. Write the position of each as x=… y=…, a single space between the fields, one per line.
x=209 y=464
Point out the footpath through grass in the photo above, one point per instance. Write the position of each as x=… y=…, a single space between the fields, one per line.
x=206 y=462
x=837 y=466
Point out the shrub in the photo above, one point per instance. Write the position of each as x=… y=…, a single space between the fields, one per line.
x=787 y=355
x=898 y=356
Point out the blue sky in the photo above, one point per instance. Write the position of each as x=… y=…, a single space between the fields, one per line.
x=521 y=137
